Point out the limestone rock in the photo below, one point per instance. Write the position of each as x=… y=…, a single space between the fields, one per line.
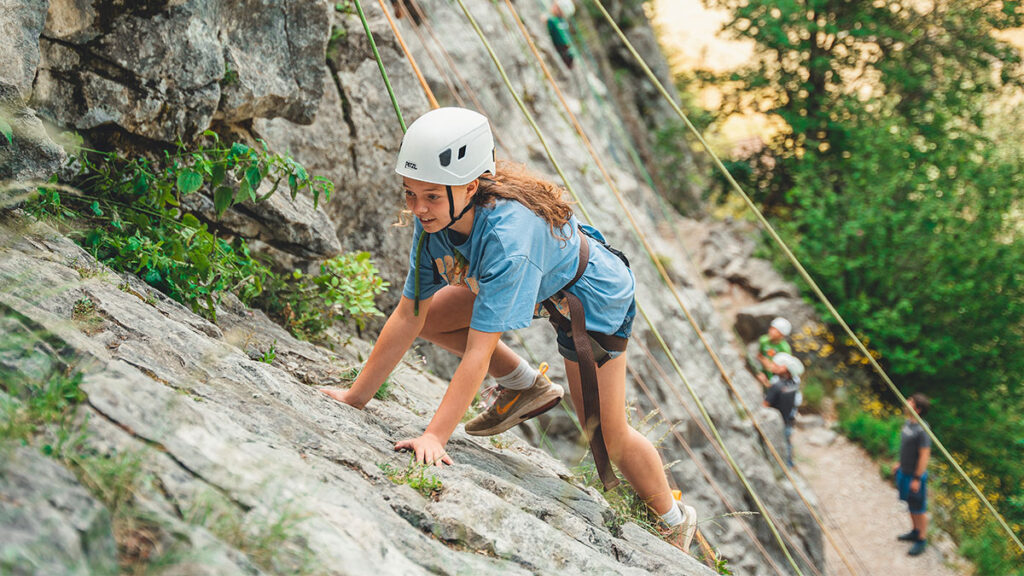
x=50 y=523
x=165 y=72
x=26 y=151
x=753 y=321
x=256 y=442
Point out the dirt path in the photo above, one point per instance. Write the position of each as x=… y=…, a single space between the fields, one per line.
x=862 y=510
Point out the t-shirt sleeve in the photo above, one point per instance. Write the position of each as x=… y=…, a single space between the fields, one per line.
x=923 y=440
x=507 y=296
x=425 y=270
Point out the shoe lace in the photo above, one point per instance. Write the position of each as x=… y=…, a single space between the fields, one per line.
x=489 y=395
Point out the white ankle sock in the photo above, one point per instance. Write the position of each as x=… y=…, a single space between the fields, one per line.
x=674 y=516
x=519 y=379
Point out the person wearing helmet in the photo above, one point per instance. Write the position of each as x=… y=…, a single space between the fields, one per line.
x=783 y=394
x=771 y=344
x=558 y=28
x=491 y=244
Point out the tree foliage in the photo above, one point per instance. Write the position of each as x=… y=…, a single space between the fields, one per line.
x=899 y=182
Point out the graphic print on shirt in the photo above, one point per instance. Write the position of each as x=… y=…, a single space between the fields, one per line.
x=455 y=270
x=560 y=302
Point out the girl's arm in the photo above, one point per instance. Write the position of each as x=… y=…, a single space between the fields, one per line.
x=399 y=332
x=429 y=447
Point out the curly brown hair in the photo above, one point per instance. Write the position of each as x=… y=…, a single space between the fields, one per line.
x=514 y=181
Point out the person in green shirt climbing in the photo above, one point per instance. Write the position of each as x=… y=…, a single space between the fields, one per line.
x=558 y=28
x=770 y=344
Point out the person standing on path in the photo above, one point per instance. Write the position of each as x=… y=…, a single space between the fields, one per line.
x=783 y=393
x=911 y=475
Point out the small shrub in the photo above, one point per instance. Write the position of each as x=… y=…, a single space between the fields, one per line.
x=869 y=424
x=128 y=215
x=417 y=476
x=29 y=404
x=271 y=353
x=345 y=288
x=814 y=394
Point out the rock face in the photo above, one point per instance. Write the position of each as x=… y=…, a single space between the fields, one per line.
x=223 y=436
x=166 y=70
x=26 y=151
x=226 y=439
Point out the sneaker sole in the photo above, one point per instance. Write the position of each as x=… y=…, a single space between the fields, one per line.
x=517 y=419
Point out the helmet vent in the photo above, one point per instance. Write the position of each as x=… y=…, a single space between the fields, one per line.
x=446 y=157
x=462 y=153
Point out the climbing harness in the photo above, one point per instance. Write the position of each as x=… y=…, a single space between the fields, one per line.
x=585 y=342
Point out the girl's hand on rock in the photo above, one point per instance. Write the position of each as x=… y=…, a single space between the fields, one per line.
x=427 y=448
x=343 y=396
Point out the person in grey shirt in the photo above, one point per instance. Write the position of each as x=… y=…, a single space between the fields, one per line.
x=911 y=475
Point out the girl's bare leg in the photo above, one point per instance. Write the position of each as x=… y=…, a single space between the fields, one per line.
x=631 y=451
x=447 y=325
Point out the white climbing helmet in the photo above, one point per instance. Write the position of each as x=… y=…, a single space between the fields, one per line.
x=567 y=7
x=782 y=325
x=789 y=362
x=448 y=146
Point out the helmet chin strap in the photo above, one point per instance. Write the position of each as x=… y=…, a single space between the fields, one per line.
x=451 y=209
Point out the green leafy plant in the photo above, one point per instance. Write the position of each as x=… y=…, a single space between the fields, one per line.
x=271 y=354
x=417 y=476
x=345 y=287
x=879 y=436
x=128 y=213
x=28 y=403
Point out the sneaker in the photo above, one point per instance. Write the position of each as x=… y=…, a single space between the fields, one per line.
x=918 y=548
x=681 y=535
x=513 y=407
x=908 y=537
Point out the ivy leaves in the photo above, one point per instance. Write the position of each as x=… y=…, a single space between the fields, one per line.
x=128 y=214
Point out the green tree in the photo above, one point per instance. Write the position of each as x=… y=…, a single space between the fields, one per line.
x=900 y=184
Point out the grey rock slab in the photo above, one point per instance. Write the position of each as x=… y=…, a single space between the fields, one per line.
x=30 y=154
x=50 y=523
x=167 y=72
x=21 y=21
x=752 y=321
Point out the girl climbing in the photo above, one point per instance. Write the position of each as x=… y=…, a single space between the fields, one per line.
x=492 y=244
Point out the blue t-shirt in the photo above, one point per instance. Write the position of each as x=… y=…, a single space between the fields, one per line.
x=512 y=262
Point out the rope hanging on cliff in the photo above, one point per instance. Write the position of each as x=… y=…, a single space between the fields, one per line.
x=664 y=274
x=380 y=63
x=501 y=70
x=452 y=67
x=806 y=276
x=408 y=54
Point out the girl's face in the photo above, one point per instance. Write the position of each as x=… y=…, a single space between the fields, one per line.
x=429 y=203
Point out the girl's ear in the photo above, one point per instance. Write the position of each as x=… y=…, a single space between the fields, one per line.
x=472 y=187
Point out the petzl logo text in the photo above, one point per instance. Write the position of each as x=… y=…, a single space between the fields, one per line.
x=410 y=165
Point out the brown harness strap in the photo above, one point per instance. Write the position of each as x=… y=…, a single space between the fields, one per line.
x=577 y=328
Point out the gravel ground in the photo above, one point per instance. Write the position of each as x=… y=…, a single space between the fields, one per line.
x=863 y=512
